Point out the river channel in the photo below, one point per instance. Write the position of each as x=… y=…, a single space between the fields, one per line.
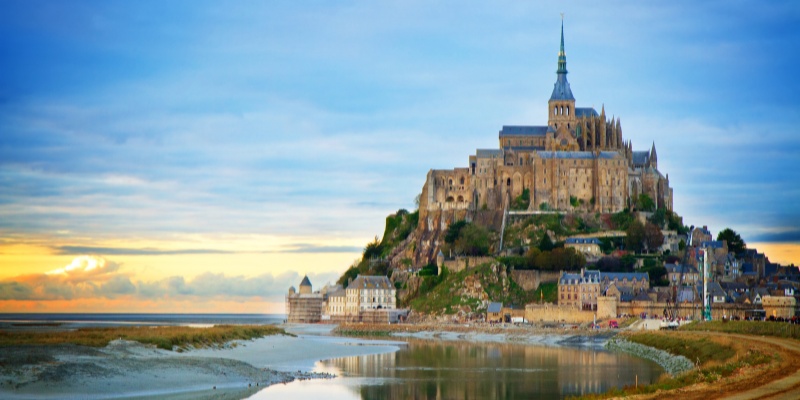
x=427 y=369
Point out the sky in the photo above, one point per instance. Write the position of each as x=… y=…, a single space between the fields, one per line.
x=202 y=156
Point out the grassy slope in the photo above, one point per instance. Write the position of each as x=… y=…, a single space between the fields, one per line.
x=442 y=297
x=760 y=328
x=165 y=337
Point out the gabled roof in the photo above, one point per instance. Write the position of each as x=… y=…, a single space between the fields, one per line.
x=370 y=282
x=494 y=307
x=677 y=268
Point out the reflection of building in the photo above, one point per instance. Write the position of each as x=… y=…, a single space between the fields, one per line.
x=305 y=306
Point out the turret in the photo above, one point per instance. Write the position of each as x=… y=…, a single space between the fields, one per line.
x=653 y=160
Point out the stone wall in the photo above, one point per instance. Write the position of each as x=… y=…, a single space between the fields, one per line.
x=607 y=307
x=554 y=313
x=531 y=279
x=462 y=263
x=779 y=306
x=718 y=311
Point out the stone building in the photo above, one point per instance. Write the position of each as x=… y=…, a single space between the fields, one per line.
x=578 y=161
x=582 y=290
x=362 y=299
x=304 y=306
x=587 y=246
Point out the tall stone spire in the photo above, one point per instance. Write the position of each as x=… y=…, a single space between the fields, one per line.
x=562 y=56
x=561 y=91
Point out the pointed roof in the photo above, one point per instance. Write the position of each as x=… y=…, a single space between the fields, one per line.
x=305 y=281
x=653 y=152
x=561 y=90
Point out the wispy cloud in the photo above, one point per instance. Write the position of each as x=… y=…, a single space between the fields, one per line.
x=118 y=251
x=94 y=277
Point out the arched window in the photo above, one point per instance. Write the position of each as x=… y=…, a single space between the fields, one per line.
x=462 y=180
x=451 y=182
x=508 y=182
x=567 y=110
x=460 y=199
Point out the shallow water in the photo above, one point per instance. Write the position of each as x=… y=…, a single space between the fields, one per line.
x=465 y=370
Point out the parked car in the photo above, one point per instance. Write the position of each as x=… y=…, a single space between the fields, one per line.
x=613 y=324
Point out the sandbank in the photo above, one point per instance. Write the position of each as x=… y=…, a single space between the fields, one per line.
x=127 y=370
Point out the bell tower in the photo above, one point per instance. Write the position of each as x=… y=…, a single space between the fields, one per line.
x=561 y=106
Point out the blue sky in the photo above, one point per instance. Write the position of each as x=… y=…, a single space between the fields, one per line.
x=133 y=128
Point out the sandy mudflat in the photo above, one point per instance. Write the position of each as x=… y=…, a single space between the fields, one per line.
x=125 y=369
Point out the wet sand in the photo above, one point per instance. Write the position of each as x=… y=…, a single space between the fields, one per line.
x=126 y=369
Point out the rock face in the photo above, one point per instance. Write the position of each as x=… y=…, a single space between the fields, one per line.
x=433 y=224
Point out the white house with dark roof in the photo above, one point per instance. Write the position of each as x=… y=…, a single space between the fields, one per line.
x=587 y=246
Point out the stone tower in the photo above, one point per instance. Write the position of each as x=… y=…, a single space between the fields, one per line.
x=305 y=286
x=561 y=106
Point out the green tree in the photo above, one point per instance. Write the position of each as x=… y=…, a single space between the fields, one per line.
x=522 y=201
x=659 y=217
x=653 y=238
x=736 y=244
x=645 y=203
x=373 y=249
x=634 y=236
x=454 y=231
x=473 y=241
x=546 y=244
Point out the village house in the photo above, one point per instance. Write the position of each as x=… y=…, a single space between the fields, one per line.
x=587 y=246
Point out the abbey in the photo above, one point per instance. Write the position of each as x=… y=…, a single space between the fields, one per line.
x=579 y=161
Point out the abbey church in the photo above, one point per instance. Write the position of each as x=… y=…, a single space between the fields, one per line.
x=579 y=161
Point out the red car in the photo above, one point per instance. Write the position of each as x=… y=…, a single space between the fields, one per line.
x=613 y=324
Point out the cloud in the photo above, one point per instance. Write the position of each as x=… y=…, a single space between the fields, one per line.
x=118 y=251
x=93 y=277
x=787 y=236
x=312 y=248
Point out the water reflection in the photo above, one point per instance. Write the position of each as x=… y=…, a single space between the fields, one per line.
x=448 y=370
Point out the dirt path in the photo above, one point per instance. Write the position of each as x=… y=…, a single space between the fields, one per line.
x=787 y=387
x=777 y=381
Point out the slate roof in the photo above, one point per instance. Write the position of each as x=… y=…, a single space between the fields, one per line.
x=626 y=275
x=686 y=294
x=305 y=281
x=495 y=307
x=524 y=148
x=489 y=153
x=561 y=89
x=747 y=269
x=582 y=241
x=737 y=286
x=676 y=268
x=586 y=112
x=640 y=158
x=519 y=130
x=585 y=155
x=370 y=282
x=712 y=244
